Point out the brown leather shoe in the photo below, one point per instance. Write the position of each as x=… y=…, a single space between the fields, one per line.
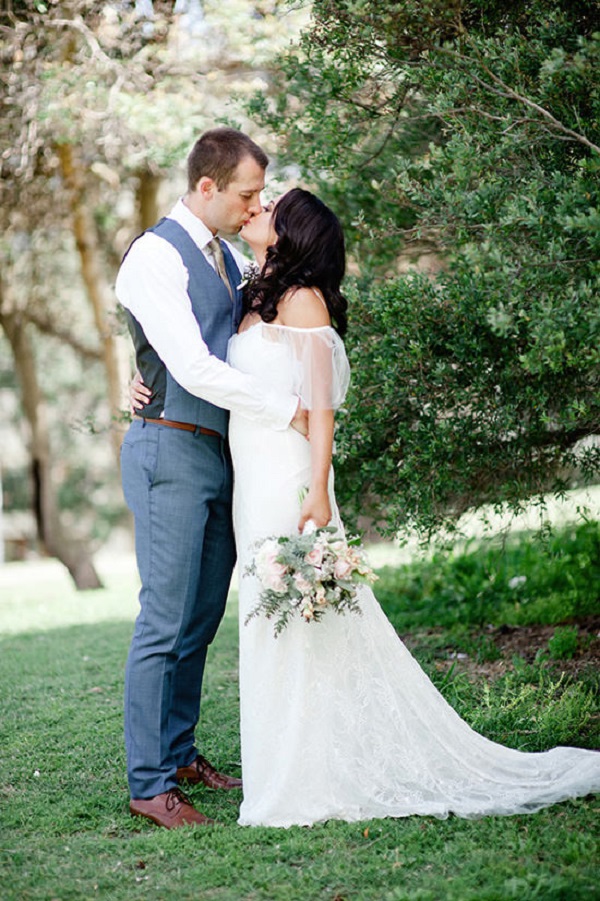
x=202 y=771
x=171 y=809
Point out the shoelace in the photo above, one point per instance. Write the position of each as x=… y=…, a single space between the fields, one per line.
x=203 y=766
x=174 y=797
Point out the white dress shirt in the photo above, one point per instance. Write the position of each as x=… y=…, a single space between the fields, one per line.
x=152 y=284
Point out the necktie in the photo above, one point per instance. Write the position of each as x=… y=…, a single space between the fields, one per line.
x=217 y=254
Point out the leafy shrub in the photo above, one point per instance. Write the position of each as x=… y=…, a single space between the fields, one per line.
x=466 y=133
x=564 y=643
x=538 y=712
x=520 y=582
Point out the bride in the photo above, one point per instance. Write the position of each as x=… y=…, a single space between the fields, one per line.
x=337 y=719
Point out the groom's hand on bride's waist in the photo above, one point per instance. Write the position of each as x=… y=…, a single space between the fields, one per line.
x=300 y=420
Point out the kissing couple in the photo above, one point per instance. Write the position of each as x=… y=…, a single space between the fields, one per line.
x=338 y=721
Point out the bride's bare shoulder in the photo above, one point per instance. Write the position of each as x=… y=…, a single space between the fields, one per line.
x=303 y=308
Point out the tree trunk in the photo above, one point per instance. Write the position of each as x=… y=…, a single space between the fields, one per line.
x=72 y=553
x=97 y=289
x=146 y=196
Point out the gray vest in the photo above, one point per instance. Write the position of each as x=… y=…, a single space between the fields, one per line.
x=218 y=319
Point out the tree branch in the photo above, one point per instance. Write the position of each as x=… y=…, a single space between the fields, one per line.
x=79 y=25
x=504 y=90
x=45 y=325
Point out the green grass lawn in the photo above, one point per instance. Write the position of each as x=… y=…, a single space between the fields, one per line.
x=65 y=831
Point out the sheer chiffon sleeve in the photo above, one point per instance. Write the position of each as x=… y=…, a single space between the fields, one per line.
x=321 y=372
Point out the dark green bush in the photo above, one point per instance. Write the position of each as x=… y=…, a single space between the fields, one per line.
x=525 y=580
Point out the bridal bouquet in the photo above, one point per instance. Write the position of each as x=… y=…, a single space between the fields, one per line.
x=308 y=574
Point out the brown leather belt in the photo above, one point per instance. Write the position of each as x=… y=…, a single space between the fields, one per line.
x=185 y=426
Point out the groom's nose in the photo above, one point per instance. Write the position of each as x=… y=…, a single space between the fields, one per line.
x=255 y=207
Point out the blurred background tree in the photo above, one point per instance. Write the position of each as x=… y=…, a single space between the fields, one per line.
x=461 y=136
x=100 y=103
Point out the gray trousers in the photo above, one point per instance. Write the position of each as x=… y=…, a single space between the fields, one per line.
x=178 y=486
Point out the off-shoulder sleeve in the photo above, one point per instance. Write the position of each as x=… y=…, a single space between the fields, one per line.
x=321 y=368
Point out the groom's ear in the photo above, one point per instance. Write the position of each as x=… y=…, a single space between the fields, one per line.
x=206 y=187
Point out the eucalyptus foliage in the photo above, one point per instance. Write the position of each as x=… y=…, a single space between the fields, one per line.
x=470 y=129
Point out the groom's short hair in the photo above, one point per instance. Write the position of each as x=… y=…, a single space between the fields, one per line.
x=217 y=154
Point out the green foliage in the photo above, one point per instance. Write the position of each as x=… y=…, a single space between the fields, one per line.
x=468 y=130
x=564 y=643
x=535 y=711
x=520 y=582
x=452 y=407
x=15 y=489
x=528 y=707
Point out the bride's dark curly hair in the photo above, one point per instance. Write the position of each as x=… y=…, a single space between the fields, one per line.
x=309 y=253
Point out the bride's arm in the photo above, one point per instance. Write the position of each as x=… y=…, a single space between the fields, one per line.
x=304 y=309
x=316 y=505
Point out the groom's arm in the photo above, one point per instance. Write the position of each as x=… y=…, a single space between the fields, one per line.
x=152 y=285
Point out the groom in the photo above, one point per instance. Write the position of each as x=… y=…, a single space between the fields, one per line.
x=178 y=284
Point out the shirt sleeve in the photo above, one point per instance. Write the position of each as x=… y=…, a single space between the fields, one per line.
x=152 y=285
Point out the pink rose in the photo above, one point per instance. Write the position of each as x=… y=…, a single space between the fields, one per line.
x=302 y=584
x=274 y=579
x=270 y=572
x=342 y=569
x=315 y=557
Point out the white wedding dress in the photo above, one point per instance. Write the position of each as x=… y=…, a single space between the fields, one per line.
x=338 y=721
